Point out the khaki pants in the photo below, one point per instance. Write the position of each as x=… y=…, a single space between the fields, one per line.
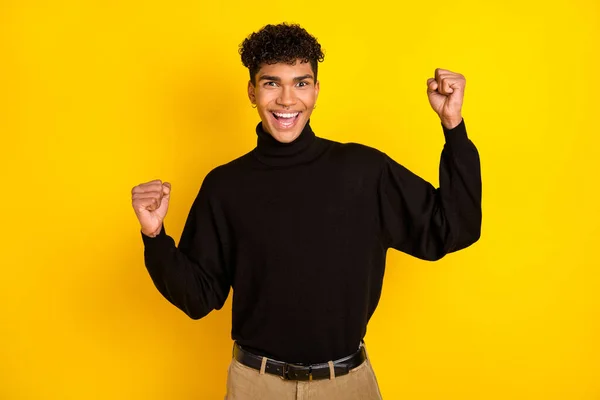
x=245 y=383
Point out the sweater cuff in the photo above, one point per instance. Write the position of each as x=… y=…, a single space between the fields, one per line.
x=457 y=134
x=154 y=241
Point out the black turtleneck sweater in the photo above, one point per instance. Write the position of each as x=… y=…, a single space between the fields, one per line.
x=300 y=232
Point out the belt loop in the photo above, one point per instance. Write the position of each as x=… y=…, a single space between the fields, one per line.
x=263 y=365
x=331 y=371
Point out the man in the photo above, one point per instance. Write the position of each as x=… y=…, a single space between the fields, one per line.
x=300 y=227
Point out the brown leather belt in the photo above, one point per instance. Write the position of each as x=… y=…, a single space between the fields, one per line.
x=299 y=372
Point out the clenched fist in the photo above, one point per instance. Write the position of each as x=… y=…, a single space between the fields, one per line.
x=446 y=92
x=150 y=202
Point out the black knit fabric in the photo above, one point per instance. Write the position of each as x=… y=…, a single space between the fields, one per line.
x=300 y=232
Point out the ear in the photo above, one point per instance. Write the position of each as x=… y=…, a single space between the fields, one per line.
x=317 y=88
x=251 y=92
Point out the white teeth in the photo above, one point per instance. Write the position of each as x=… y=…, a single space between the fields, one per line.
x=287 y=115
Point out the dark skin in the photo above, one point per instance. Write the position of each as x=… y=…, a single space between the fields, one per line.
x=288 y=89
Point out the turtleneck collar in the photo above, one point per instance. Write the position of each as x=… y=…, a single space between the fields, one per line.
x=303 y=149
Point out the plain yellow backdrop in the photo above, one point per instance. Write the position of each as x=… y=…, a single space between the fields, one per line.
x=96 y=97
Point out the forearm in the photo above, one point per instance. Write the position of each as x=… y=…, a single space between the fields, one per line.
x=460 y=187
x=180 y=280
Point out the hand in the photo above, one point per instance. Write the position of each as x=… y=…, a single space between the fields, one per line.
x=446 y=92
x=150 y=202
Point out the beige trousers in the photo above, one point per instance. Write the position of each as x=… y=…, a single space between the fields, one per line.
x=245 y=383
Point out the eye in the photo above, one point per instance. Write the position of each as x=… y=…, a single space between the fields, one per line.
x=271 y=84
x=303 y=83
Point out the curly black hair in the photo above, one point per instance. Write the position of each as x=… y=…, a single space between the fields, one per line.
x=280 y=43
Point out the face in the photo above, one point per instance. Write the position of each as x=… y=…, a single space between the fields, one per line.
x=285 y=96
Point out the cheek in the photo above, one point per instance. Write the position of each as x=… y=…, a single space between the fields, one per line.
x=266 y=97
x=308 y=98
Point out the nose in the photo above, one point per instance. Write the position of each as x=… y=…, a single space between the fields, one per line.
x=286 y=97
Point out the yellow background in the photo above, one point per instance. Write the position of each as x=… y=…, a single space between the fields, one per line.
x=96 y=97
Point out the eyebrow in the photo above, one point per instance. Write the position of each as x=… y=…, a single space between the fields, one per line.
x=278 y=79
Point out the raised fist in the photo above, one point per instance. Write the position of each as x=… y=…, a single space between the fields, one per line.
x=446 y=93
x=150 y=202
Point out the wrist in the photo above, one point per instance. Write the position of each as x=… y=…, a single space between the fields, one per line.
x=451 y=122
x=152 y=234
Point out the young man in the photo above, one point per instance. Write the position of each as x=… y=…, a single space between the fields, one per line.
x=300 y=227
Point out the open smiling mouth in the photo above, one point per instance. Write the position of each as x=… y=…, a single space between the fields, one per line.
x=286 y=120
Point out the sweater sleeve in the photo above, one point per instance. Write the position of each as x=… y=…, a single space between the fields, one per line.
x=194 y=276
x=426 y=222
